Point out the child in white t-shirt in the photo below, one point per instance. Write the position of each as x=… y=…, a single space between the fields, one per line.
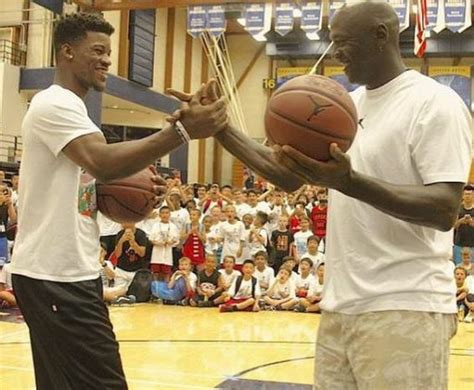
x=247 y=220
x=244 y=293
x=300 y=244
x=313 y=252
x=289 y=262
x=305 y=282
x=231 y=234
x=164 y=236
x=7 y=297
x=264 y=274
x=310 y=304
x=281 y=291
x=229 y=274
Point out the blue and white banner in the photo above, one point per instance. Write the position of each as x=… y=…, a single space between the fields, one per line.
x=457 y=15
x=432 y=8
x=283 y=18
x=216 y=19
x=402 y=8
x=334 y=5
x=197 y=20
x=312 y=18
x=255 y=18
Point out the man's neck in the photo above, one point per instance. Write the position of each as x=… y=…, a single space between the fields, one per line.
x=65 y=78
x=391 y=69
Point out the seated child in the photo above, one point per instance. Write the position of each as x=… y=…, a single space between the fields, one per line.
x=469 y=301
x=229 y=274
x=210 y=285
x=264 y=274
x=460 y=275
x=290 y=263
x=310 y=304
x=7 y=296
x=244 y=293
x=305 y=282
x=181 y=286
x=281 y=291
x=313 y=252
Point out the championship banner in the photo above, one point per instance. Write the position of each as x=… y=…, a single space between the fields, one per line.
x=457 y=15
x=255 y=18
x=216 y=20
x=285 y=74
x=435 y=11
x=312 y=18
x=456 y=77
x=402 y=8
x=336 y=73
x=197 y=20
x=283 y=18
x=334 y=5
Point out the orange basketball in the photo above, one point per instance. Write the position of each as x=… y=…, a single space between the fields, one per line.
x=127 y=200
x=309 y=113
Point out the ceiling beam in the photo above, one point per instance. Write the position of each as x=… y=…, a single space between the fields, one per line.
x=110 y=5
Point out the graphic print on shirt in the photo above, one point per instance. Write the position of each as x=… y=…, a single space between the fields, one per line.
x=87 y=197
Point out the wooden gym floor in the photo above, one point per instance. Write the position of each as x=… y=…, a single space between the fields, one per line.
x=168 y=348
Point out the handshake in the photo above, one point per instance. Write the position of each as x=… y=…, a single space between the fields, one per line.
x=203 y=114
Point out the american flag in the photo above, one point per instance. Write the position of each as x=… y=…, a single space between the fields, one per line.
x=420 y=28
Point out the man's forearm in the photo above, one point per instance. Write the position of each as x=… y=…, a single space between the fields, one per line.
x=417 y=204
x=258 y=157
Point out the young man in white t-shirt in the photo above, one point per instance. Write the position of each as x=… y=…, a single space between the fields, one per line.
x=393 y=199
x=231 y=234
x=264 y=274
x=300 y=243
x=54 y=265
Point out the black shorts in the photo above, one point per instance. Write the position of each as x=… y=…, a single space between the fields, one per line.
x=72 y=339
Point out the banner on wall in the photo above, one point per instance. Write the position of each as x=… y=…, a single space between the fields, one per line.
x=457 y=15
x=285 y=74
x=456 y=77
x=402 y=8
x=336 y=73
x=216 y=20
x=255 y=18
x=197 y=20
x=283 y=18
x=334 y=5
x=435 y=11
x=312 y=18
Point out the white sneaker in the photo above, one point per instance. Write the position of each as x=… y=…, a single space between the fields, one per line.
x=468 y=318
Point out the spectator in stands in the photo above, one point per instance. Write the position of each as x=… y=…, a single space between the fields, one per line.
x=201 y=194
x=313 y=251
x=190 y=205
x=277 y=210
x=181 y=287
x=281 y=240
x=164 y=237
x=304 y=283
x=310 y=304
x=240 y=203
x=226 y=193
x=298 y=214
x=194 y=238
x=231 y=234
x=130 y=253
x=319 y=214
x=300 y=245
x=289 y=262
x=7 y=296
x=247 y=220
x=464 y=226
x=228 y=272
x=214 y=198
x=264 y=274
x=244 y=293
x=7 y=217
x=210 y=246
x=462 y=290
x=210 y=285
x=217 y=217
x=179 y=217
x=258 y=234
x=281 y=291
x=466 y=260
x=15 y=182
x=254 y=205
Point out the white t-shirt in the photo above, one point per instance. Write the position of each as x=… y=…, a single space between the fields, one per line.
x=245 y=248
x=301 y=242
x=58 y=237
x=211 y=247
x=162 y=232
x=261 y=206
x=6 y=276
x=242 y=209
x=245 y=290
x=317 y=288
x=180 y=218
x=228 y=279
x=232 y=234
x=317 y=259
x=147 y=225
x=266 y=276
x=275 y=213
x=192 y=280
x=306 y=283
x=107 y=227
x=283 y=290
x=415 y=132
x=255 y=245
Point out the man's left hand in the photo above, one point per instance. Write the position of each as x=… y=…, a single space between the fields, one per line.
x=335 y=173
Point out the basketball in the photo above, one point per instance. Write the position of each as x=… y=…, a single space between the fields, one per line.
x=309 y=113
x=127 y=200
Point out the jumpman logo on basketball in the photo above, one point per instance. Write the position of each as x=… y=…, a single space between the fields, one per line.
x=318 y=108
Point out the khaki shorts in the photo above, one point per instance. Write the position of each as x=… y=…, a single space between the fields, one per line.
x=399 y=350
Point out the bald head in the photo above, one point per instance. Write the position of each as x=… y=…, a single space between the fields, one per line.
x=365 y=18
